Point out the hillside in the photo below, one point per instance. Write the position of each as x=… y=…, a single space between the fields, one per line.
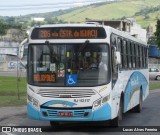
x=118 y=10
x=146 y=13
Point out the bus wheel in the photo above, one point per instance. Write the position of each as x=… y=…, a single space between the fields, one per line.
x=158 y=77
x=115 y=121
x=54 y=124
x=138 y=108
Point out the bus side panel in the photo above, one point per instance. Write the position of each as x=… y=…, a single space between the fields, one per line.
x=32 y=112
x=136 y=82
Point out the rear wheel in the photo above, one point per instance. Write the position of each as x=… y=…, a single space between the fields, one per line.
x=115 y=121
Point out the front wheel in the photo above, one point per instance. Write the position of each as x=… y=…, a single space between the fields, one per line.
x=115 y=121
x=54 y=124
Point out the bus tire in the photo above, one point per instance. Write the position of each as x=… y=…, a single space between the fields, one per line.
x=138 y=108
x=54 y=124
x=158 y=77
x=115 y=121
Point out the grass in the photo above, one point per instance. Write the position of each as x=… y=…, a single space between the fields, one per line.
x=116 y=10
x=154 y=85
x=12 y=101
x=8 y=91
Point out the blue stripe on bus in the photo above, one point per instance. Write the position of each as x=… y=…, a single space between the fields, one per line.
x=102 y=113
x=62 y=102
x=136 y=80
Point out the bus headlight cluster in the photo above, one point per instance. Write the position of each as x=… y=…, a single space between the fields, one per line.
x=33 y=101
x=100 y=102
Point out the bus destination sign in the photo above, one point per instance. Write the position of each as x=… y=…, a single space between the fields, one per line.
x=45 y=77
x=69 y=33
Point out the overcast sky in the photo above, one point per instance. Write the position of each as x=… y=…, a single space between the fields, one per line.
x=23 y=7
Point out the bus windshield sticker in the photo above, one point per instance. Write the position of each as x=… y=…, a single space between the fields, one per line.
x=45 y=77
x=61 y=66
x=42 y=68
x=71 y=79
x=53 y=67
x=61 y=73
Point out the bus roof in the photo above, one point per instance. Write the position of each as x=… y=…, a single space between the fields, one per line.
x=109 y=30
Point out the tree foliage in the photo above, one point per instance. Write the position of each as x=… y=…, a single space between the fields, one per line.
x=152 y=40
x=3 y=28
x=147 y=10
x=157 y=33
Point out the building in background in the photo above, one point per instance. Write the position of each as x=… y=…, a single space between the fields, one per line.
x=9 y=45
x=128 y=25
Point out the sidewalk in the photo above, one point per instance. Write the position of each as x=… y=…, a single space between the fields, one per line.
x=154 y=91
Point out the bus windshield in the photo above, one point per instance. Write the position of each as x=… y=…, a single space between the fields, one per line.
x=68 y=64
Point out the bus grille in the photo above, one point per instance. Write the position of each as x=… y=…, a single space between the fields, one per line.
x=76 y=113
x=67 y=93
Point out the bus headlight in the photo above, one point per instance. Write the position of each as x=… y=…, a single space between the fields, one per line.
x=100 y=102
x=33 y=101
x=29 y=98
x=105 y=99
x=97 y=104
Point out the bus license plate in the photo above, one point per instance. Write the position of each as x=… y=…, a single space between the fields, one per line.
x=65 y=114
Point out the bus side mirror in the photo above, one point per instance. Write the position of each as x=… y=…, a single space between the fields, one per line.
x=21 y=48
x=117 y=57
x=21 y=51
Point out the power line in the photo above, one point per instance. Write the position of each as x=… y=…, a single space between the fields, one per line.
x=45 y=6
x=31 y=8
x=48 y=4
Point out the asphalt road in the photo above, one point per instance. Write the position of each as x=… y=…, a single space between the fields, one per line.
x=150 y=116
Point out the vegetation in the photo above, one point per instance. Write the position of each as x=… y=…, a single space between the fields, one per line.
x=146 y=13
x=153 y=85
x=3 y=28
x=152 y=40
x=157 y=33
x=8 y=91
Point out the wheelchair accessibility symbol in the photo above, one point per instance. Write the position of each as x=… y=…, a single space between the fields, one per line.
x=71 y=80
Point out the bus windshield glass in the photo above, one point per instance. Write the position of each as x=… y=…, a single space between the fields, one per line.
x=68 y=64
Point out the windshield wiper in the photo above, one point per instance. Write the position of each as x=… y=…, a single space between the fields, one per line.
x=83 y=46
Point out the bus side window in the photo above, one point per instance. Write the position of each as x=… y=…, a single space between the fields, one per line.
x=129 y=54
x=140 y=52
x=113 y=49
x=120 y=48
x=124 y=54
x=133 y=56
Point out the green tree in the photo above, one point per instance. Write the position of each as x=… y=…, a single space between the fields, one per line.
x=3 y=28
x=152 y=40
x=51 y=20
x=157 y=33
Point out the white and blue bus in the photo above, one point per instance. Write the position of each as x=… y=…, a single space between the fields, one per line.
x=85 y=72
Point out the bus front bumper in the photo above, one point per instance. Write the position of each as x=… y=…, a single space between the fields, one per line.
x=101 y=114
